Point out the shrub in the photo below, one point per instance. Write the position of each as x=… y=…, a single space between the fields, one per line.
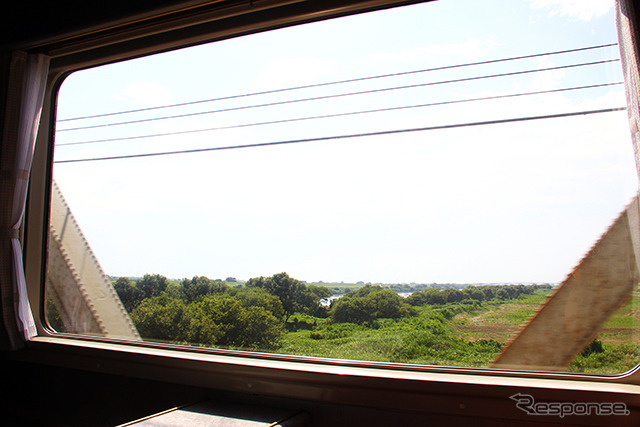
x=368 y=304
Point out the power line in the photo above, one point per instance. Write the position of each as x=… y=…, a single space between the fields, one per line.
x=403 y=73
x=346 y=136
x=325 y=116
x=365 y=92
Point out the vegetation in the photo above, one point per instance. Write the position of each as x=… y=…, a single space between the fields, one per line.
x=212 y=313
x=368 y=304
x=435 y=325
x=475 y=293
x=205 y=312
x=294 y=295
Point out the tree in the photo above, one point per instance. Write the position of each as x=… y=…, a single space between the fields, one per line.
x=152 y=285
x=200 y=286
x=320 y=292
x=258 y=297
x=352 y=310
x=260 y=329
x=428 y=296
x=312 y=298
x=128 y=292
x=453 y=295
x=163 y=318
x=502 y=293
x=369 y=303
x=236 y=326
x=212 y=320
x=291 y=292
x=489 y=292
x=473 y=293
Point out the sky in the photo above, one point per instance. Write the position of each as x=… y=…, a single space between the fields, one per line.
x=514 y=202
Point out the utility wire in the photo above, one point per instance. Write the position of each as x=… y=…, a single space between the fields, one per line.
x=403 y=73
x=325 y=116
x=339 y=95
x=346 y=136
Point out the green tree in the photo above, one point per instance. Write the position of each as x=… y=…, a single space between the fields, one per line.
x=212 y=320
x=292 y=293
x=320 y=292
x=453 y=295
x=352 y=310
x=473 y=293
x=199 y=286
x=429 y=296
x=258 y=297
x=152 y=285
x=129 y=293
x=489 y=292
x=503 y=293
x=369 y=303
x=163 y=318
x=260 y=329
x=311 y=300
x=173 y=290
x=251 y=327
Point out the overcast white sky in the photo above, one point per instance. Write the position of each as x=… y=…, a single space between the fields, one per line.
x=519 y=202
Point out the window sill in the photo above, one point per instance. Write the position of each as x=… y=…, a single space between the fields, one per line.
x=452 y=393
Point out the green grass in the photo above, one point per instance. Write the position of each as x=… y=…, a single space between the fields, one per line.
x=498 y=320
x=615 y=359
x=427 y=338
x=466 y=335
x=620 y=337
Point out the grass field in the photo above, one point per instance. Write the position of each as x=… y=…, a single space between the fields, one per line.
x=620 y=339
x=498 y=321
x=469 y=335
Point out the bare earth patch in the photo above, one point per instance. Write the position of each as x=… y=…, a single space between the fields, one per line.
x=499 y=323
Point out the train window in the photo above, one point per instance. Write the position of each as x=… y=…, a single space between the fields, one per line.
x=413 y=185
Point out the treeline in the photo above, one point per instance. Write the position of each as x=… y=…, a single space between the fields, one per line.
x=433 y=296
x=416 y=287
x=256 y=314
x=212 y=313
x=372 y=302
x=368 y=304
x=253 y=315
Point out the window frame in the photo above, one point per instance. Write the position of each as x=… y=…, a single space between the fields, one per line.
x=444 y=390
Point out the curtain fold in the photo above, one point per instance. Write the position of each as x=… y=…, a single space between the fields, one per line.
x=627 y=23
x=35 y=82
x=27 y=77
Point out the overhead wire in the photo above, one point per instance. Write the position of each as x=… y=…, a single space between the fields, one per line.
x=332 y=96
x=342 y=114
x=315 y=85
x=334 y=115
x=345 y=136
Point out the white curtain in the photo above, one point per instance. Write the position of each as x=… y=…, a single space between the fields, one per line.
x=34 y=83
x=628 y=41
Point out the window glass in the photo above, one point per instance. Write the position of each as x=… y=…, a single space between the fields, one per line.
x=409 y=185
